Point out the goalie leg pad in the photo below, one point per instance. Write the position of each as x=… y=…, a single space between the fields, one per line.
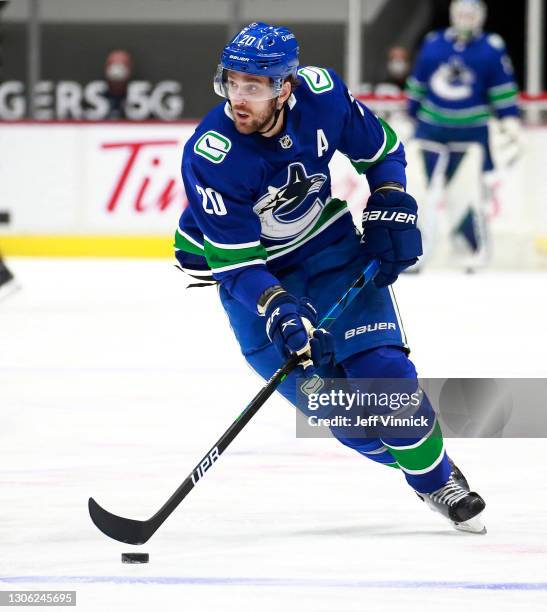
x=426 y=180
x=465 y=195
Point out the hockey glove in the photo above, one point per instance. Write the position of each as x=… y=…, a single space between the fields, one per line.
x=290 y=326
x=390 y=232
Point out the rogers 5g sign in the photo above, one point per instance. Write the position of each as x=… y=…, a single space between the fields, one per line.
x=71 y=100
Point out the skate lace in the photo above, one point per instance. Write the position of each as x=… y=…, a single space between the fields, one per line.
x=448 y=494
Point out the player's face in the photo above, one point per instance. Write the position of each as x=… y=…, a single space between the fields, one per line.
x=467 y=16
x=253 y=104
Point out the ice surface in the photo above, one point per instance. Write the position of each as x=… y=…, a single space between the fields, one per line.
x=115 y=380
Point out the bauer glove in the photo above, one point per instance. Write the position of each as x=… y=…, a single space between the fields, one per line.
x=290 y=326
x=390 y=233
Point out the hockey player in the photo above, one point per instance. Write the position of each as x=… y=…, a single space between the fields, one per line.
x=262 y=223
x=461 y=77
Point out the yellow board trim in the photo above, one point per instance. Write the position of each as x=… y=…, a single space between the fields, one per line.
x=86 y=246
x=541 y=245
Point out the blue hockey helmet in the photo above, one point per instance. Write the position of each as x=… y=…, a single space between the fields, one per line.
x=467 y=17
x=262 y=50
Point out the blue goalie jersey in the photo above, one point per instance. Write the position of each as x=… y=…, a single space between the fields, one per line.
x=456 y=85
x=263 y=204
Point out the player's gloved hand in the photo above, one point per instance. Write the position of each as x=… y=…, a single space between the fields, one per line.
x=290 y=325
x=390 y=233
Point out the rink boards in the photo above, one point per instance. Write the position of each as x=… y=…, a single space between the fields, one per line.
x=114 y=189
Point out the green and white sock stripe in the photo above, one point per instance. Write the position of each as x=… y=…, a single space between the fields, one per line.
x=389 y=145
x=379 y=451
x=423 y=456
x=472 y=116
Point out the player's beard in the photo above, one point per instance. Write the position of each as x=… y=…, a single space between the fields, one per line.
x=256 y=121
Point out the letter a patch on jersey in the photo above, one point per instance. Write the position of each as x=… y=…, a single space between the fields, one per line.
x=322 y=143
x=213 y=146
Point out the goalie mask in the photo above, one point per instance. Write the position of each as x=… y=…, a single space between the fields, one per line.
x=467 y=17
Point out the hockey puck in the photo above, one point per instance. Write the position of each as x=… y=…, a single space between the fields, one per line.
x=135 y=557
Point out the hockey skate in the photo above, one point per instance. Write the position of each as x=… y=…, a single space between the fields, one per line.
x=457 y=503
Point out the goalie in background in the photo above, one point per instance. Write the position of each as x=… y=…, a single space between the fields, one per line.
x=461 y=78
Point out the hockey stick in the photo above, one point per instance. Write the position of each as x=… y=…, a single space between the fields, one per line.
x=133 y=531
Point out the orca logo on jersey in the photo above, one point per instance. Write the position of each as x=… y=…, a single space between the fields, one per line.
x=453 y=81
x=288 y=210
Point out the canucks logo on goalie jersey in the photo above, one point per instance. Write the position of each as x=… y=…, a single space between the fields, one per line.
x=458 y=85
x=453 y=80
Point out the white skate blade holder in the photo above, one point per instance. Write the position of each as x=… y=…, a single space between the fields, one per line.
x=473 y=525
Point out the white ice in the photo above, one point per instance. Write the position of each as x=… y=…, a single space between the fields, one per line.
x=115 y=380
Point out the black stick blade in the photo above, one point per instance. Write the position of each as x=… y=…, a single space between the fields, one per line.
x=119 y=528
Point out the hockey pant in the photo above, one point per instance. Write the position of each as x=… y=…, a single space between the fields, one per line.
x=370 y=342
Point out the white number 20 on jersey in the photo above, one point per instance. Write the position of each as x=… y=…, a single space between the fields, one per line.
x=212 y=201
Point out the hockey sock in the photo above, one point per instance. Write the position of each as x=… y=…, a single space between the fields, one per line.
x=424 y=462
x=373 y=449
x=422 y=459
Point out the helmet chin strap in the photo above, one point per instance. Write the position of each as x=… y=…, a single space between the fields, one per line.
x=275 y=118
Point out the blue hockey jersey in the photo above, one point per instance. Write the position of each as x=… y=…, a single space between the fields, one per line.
x=260 y=204
x=460 y=85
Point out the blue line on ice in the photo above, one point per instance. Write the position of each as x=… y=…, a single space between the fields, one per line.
x=279 y=582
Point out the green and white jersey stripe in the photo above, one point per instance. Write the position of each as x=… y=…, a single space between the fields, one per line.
x=502 y=91
x=414 y=89
x=224 y=257
x=389 y=145
x=185 y=242
x=503 y=96
x=437 y=115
